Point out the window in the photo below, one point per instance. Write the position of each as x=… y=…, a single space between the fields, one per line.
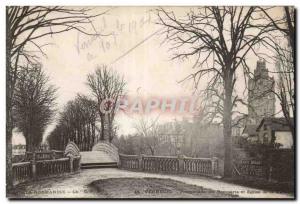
x=265 y=138
x=284 y=139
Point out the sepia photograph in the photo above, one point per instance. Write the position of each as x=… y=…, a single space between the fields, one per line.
x=150 y=102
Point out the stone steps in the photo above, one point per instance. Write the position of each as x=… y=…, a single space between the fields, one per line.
x=97 y=159
x=99 y=165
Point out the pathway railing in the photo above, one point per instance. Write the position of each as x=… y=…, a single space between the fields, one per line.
x=45 y=155
x=201 y=166
x=21 y=172
x=180 y=165
x=160 y=164
x=32 y=170
x=129 y=161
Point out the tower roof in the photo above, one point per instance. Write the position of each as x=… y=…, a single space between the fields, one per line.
x=261 y=69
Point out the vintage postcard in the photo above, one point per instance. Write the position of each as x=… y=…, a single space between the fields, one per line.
x=160 y=102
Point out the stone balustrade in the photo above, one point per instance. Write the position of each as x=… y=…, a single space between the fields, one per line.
x=52 y=167
x=34 y=169
x=201 y=166
x=176 y=165
x=160 y=164
x=21 y=172
x=129 y=161
x=45 y=155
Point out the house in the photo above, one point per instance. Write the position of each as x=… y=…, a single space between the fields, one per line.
x=250 y=133
x=275 y=131
x=18 y=149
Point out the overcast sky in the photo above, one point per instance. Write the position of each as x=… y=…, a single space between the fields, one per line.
x=134 y=50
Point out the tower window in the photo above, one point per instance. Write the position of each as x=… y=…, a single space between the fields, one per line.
x=265 y=127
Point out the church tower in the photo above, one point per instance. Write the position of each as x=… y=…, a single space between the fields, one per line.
x=261 y=97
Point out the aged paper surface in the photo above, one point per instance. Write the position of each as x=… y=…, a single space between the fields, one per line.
x=150 y=102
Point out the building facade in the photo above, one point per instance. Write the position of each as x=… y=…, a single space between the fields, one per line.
x=275 y=132
x=18 y=149
x=261 y=96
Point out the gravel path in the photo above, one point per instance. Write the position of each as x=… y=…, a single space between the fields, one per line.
x=77 y=185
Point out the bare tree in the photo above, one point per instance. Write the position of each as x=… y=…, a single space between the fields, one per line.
x=149 y=130
x=285 y=24
x=285 y=90
x=219 y=39
x=25 y=26
x=107 y=87
x=33 y=108
x=130 y=144
x=76 y=123
x=284 y=55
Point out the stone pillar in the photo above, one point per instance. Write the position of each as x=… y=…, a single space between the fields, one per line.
x=53 y=154
x=33 y=165
x=180 y=164
x=119 y=162
x=79 y=167
x=71 y=164
x=26 y=156
x=214 y=166
x=141 y=162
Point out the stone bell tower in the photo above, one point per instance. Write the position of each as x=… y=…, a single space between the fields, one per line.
x=261 y=97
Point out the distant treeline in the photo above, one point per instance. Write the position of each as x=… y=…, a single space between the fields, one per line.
x=76 y=123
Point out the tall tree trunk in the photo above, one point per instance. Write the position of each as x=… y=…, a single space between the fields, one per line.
x=9 y=128
x=291 y=30
x=102 y=118
x=9 y=124
x=110 y=129
x=152 y=150
x=227 y=129
x=93 y=134
x=29 y=144
x=9 y=118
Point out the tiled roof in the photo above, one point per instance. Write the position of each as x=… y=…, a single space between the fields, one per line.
x=250 y=130
x=277 y=124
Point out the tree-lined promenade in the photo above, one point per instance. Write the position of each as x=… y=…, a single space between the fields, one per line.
x=218 y=40
x=78 y=122
x=26 y=27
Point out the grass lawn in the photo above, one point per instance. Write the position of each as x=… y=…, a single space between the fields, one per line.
x=152 y=188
